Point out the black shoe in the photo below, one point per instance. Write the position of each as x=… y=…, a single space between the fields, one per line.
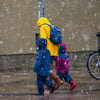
x=39 y=94
x=52 y=89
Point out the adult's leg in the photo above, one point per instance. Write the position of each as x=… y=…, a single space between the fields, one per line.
x=53 y=75
x=57 y=80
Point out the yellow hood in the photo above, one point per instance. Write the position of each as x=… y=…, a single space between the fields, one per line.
x=42 y=20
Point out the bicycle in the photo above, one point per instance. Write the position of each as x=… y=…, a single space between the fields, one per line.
x=93 y=62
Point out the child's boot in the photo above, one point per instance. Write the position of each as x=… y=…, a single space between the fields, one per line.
x=58 y=81
x=52 y=89
x=72 y=84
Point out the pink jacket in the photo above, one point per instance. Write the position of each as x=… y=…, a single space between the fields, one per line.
x=62 y=60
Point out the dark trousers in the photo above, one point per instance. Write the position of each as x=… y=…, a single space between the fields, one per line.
x=66 y=76
x=41 y=81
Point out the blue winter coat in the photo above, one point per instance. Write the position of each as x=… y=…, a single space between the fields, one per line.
x=42 y=64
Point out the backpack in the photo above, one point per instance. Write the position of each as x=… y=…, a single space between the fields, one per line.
x=55 y=34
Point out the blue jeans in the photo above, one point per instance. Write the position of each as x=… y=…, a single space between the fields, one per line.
x=41 y=80
x=66 y=76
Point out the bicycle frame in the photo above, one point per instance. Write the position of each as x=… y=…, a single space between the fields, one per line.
x=93 y=62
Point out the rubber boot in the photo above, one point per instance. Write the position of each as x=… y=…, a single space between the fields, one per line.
x=72 y=85
x=52 y=89
x=58 y=81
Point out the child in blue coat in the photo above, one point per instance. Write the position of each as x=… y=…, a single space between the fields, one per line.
x=42 y=67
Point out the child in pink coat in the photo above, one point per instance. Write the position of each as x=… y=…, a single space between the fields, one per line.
x=62 y=69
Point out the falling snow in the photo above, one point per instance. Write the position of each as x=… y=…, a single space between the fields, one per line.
x=85 y=37
x=83 y=49
x=89 y=5
x=18 y=35
x=62 y=4
x=19 y=14
x=77 y=24
x=73 y=35
x=21 y=50
x=31 y=49
x=75 y=57
x=99 y=27
x=79 y=21
x=1 y=15
x=1 y=42
x=87 y=47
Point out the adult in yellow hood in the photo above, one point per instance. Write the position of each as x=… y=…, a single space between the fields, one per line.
x=53 y=48
x=45 y=33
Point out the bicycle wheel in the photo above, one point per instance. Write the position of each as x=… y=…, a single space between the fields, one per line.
x=93 y=65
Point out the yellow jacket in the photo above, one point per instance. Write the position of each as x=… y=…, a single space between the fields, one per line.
x=45 y=33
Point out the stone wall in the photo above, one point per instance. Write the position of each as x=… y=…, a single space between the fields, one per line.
x=17 y=61
x=27 y=61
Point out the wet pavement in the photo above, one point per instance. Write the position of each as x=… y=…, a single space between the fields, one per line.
x=61 y=95
x=21 y=85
